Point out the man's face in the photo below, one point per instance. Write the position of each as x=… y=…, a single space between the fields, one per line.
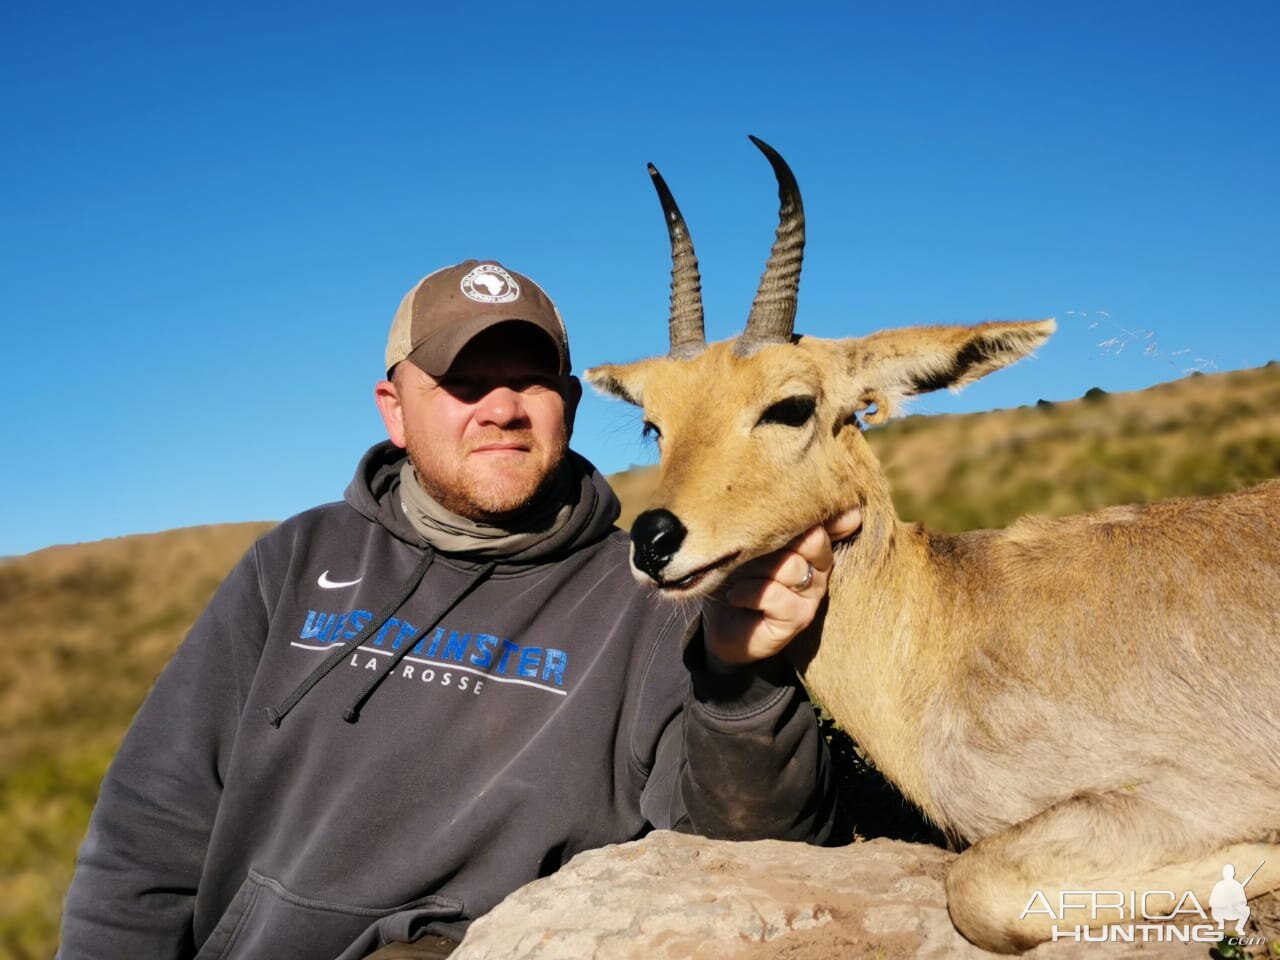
x=488 y=436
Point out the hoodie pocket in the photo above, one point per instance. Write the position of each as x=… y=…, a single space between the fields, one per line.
x=265 y=921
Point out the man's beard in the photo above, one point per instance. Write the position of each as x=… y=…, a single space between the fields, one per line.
x=478 y=500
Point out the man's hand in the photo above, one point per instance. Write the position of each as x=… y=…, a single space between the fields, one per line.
x=767 y=602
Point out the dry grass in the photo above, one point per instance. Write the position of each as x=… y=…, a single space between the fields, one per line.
x=90 y=626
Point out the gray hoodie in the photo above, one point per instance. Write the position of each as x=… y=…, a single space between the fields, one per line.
x=360 y=741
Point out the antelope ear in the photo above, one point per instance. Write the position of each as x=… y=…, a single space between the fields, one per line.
x=622 y=380
x=892 y=364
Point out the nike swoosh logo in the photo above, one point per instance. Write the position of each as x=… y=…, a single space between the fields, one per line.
x=328 y=584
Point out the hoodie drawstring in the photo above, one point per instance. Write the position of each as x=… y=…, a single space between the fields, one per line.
x=277 y=714
x=352 y=713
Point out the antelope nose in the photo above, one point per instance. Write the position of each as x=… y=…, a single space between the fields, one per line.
x=656 y=536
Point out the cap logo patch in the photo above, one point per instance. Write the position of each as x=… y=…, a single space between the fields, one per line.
x=489 y=283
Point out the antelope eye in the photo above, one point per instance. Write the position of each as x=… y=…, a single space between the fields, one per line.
x=650 y=432
x=791 y=412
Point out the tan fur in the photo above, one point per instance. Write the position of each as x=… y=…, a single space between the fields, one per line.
x=1093 y=702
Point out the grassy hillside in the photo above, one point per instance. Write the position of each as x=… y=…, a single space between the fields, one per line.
x=88 y=629
x=1201 y=435
x=90 y=626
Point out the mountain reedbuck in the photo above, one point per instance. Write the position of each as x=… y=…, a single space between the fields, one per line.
x=1092 y=703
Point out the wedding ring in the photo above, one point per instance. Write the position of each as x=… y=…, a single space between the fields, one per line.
x=808 y=579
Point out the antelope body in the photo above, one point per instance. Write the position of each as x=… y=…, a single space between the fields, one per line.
x=1093 y=703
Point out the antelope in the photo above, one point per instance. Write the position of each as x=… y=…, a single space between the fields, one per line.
x=1084 y=704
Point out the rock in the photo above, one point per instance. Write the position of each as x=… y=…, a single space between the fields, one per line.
x=677 y=897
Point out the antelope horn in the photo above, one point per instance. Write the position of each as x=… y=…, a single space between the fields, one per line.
x=687 y=337
x=773 y=312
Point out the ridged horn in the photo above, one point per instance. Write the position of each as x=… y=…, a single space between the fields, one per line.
x=773 y=312
x=687 y=336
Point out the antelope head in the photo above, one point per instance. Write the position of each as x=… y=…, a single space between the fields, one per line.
x=760 y=436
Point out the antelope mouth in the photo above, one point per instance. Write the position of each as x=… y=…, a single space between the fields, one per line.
x=691 y=581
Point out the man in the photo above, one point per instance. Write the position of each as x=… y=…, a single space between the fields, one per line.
x=1228 y=901
x=399 y=708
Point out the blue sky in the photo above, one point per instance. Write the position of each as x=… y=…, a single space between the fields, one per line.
x=211 y=211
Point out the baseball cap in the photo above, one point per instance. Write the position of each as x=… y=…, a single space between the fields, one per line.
x=446 y=309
